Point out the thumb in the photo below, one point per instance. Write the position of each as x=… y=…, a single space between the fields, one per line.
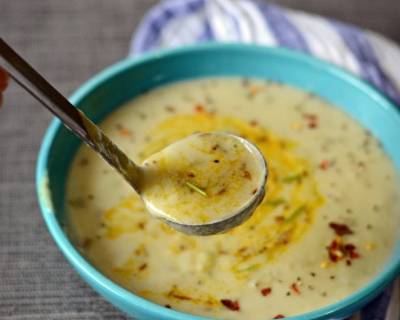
x=3 y=79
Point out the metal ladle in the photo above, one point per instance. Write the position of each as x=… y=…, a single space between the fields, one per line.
x=92 y=135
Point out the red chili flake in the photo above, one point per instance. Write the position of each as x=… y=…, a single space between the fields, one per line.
x=168 y=306
x=335 y=255
x=126 y=132
x=324 y=165
x=247 y=174
x=338 y=251
x=312 y=120
x=266 y=291
x=340 y=229
x=335 y=244
x=279 y=316
x=199 y=108
x=295 y=288
x=350 y=247
x=231 y=304
x=354 y=255
x=253 y=123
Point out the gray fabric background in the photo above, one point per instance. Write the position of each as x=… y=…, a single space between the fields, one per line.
x=69 y=41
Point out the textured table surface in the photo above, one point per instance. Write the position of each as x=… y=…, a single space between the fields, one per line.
x=69 y=41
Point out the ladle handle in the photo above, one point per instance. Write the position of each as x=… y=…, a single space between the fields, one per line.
x=74 y=119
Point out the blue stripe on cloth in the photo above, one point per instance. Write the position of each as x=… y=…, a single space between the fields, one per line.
x=207 y=34
x=283 y=29
x=371 y=70
x=376 y=309
x=160 y=16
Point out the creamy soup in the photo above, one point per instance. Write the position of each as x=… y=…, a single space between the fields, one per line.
x=325 y=228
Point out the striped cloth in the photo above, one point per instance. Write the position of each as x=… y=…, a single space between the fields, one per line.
x=368 y=55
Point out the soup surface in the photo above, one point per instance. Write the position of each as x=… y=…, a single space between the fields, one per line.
x=325 y=228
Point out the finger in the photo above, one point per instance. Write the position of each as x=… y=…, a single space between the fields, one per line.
x=4 y=78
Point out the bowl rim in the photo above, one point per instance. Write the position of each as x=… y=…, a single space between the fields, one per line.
x=104 y=284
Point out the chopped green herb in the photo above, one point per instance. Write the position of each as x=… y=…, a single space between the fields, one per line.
x=276 y=202
x=296 y=213
x=293 y=178
x=249 y=268
x=196 y=188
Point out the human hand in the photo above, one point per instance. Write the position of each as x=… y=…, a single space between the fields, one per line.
x=3 y=83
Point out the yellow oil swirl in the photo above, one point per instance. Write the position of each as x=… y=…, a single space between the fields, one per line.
x=288 y=210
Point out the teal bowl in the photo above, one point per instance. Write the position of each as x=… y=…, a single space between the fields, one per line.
x=123 y=81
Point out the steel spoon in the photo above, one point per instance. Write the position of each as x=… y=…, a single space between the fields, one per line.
x=75 y=120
